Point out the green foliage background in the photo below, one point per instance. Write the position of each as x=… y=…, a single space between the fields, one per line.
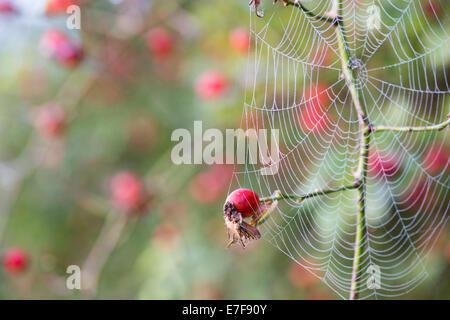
x=56 y=211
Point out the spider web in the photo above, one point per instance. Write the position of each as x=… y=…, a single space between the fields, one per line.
x=402 y=67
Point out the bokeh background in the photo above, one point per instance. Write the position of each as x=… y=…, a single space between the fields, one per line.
x=86 y=178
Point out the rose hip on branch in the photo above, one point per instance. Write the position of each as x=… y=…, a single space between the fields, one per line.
x=241 y=204
x=244 y=201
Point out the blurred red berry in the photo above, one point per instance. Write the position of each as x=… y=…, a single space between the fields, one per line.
x=15 y=260
x=210 y=85
x=436 y=159
x=432 y=8
x=50 y=120
x=245 y=201
x=239 y=40
x=313 y=116
x=160 y=42
x=57 y=45
x=7 y=7
x=382 y=164
x=128 y=192
x=207 y=186
x=59 y=6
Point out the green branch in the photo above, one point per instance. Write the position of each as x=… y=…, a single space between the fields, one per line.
x=361 y=173
x=281 y=196
x=436 y=127
x=297 y=3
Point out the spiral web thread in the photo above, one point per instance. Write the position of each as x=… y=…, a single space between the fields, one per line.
x=406 y=203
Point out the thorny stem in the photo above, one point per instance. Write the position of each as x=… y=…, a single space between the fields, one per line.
x=361 y=173
x=281 y=196
x=436 y=127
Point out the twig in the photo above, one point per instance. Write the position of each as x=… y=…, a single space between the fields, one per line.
x=26 y=163
x=281 y=196
x=329 y=17
x=100 y=252
x=436 y=127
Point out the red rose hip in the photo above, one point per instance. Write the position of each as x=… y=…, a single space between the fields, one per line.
x=57 y=45
x=245 y=201
x=160 y=42
x=128 y=192
x=240 y=204
x=210 y=85
x=15 y=260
